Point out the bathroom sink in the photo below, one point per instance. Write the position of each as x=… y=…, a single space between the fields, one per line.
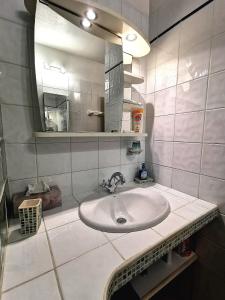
x=133 y=210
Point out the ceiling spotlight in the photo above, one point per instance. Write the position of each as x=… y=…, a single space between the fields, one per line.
x=91 y=15
x=131 y=37
x=86 y=23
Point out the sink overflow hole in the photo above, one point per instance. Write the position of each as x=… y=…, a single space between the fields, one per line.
x=121 y=220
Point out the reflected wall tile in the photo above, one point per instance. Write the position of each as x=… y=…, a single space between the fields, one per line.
x=84 y=156
x=163 y=153
x=165 y=102
x=164 y=128
x=187 y=156
x=17 y=124
x=185 y=182
x=162 y=175
x=216 y=91
x=213 y=160
x=213 y=190
x=194 y=62
x=217 y=55
x=53 y=159
x=21 y=161
x=214 y=126
x=191 y=96
x=189 y=127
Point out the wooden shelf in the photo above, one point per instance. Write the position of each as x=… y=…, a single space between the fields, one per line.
x=160 y=274
x=87 y=134
x=130 y=78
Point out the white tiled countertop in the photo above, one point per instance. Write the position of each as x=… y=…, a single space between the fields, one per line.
x=69 y=260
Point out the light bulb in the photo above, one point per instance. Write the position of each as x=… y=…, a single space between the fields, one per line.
x=86 y=23
x=91 y=15
x=131 y=37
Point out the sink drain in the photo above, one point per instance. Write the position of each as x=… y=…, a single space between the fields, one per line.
x=121 y=220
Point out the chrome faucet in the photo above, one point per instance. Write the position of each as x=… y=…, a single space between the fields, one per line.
x=112 y=183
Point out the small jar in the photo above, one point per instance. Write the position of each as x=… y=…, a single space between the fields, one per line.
x=137 y=118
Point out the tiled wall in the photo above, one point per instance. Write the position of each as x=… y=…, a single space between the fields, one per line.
x=186 y=105
x=75 y=165
x=165 y=13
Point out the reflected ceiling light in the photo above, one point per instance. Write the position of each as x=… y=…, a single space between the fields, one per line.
x=131 y=37
x=86 y=23
x=91 y=15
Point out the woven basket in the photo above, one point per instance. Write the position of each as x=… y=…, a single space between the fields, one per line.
x=30 y=216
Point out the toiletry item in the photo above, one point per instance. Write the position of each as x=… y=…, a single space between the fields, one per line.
x=134 y=147
x=137 y=118
x=143 y=173
x=184 y=248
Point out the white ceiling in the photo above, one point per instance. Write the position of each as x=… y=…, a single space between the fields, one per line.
x=54 y=31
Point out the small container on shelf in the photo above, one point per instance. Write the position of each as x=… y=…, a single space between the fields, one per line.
x=137 y=118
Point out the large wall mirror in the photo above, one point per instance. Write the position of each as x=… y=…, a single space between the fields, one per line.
x=79 y=75
x=83 y=63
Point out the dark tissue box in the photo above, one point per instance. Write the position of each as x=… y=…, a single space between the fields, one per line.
x=50 y=199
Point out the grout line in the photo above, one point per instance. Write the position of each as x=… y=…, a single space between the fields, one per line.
x=54 y=265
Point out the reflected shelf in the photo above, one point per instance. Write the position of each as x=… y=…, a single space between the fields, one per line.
x=130 y=78
x=88 y=134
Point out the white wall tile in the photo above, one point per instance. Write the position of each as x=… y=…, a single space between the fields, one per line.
x=191 y=96
x=21 y=161
x=163 y=153
x=189 y=127
x=217 y=55
x=214 y=126
x=14 y=43
x=164 y=128
x=17 y=124
x=216 y=91
x=109 y=154
x=219 y=17
x=63 y=181
x=84 y=156
x=162 y=175
x=213 y=190
x=194 y=61
x=53 y=159
x=197 y=28
x=165 y=102
x=185 y=182
x=213 y=160
x=187 y=156
x=84 y=183
x=129 y=171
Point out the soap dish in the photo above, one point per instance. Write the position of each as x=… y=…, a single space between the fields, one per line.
x=138 y=180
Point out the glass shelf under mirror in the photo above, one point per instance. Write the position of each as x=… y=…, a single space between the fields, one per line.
x=88 y=134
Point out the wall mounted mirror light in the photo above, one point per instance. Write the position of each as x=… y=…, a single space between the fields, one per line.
x=81 y=54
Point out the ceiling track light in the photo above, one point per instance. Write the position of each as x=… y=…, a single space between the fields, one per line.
x=91 y=14
x=85 y=23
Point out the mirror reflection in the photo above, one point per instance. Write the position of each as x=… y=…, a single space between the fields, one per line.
x=79 y=76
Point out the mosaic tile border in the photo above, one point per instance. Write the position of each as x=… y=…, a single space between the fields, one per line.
x=139 y=265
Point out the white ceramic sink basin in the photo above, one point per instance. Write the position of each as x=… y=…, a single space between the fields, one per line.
x=133 y=210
